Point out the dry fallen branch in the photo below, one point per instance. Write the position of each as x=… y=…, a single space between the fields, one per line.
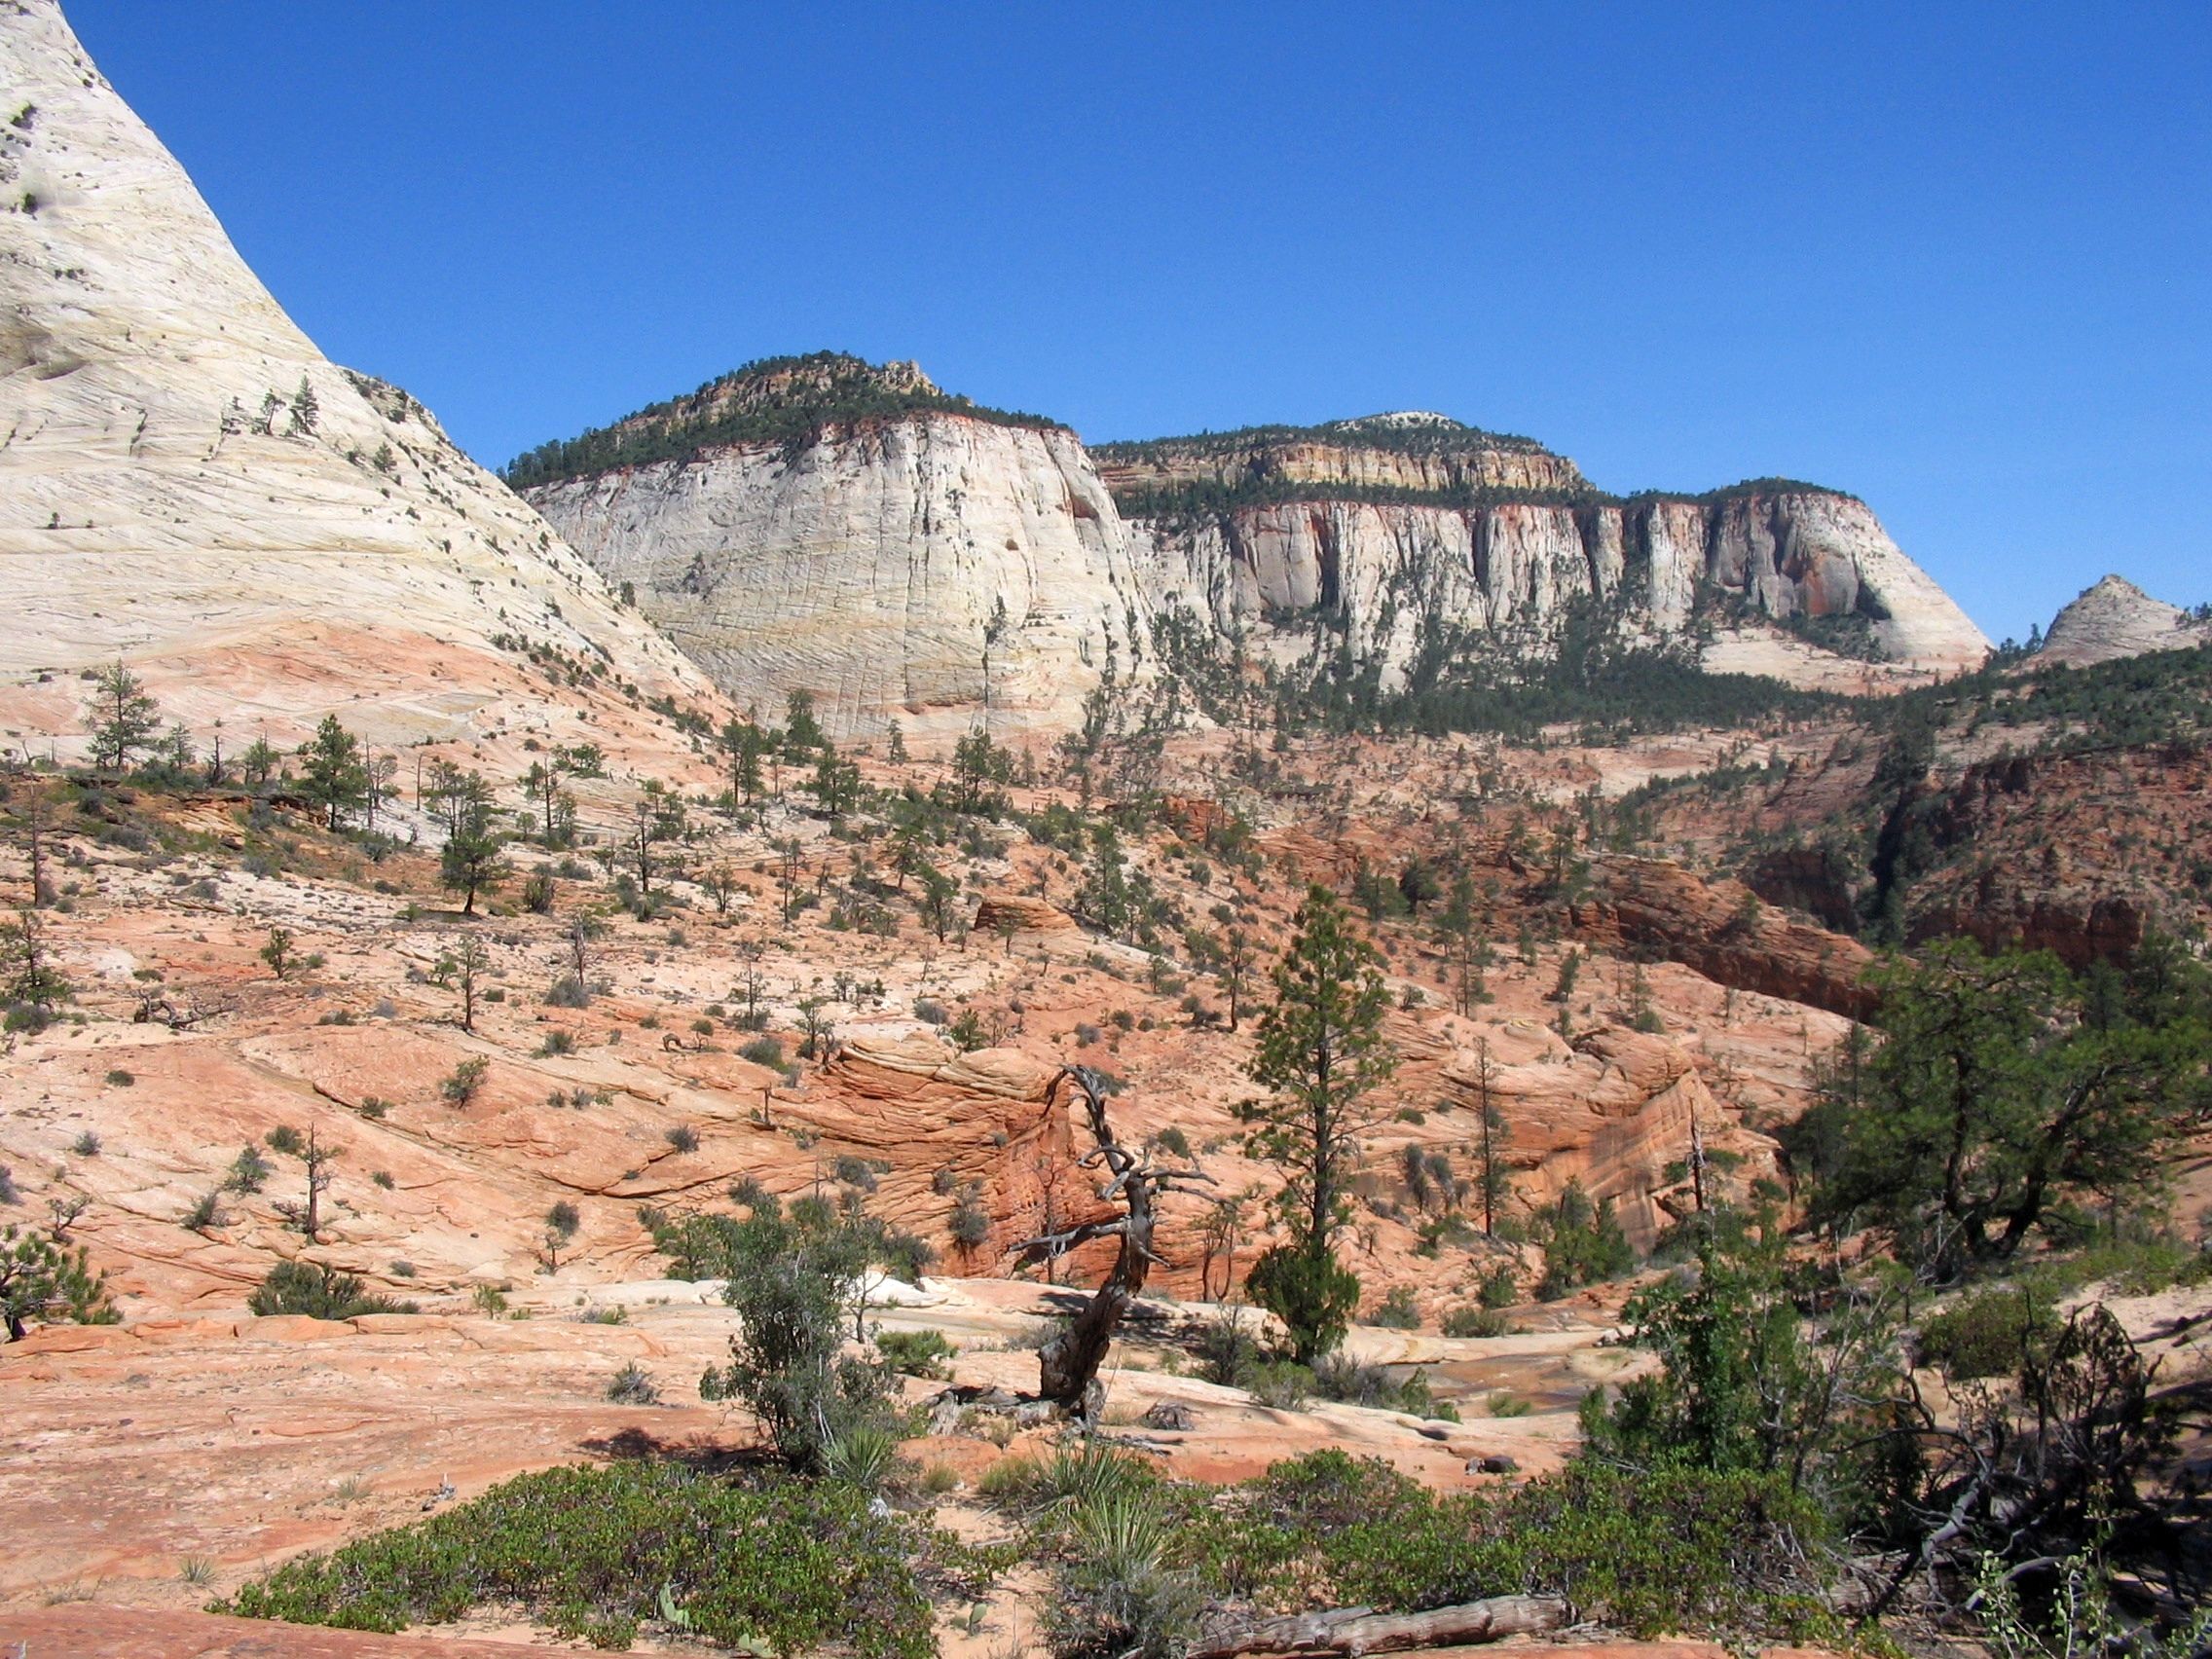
x=1355 y=1631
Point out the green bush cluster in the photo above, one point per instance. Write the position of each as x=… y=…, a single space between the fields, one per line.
x=318 y=1292
x=602 y=1554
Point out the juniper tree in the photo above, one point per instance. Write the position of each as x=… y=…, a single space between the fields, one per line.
x=2009 y=1097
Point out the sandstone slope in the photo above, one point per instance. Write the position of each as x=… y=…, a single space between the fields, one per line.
x=186 y=481
x=2113 y=618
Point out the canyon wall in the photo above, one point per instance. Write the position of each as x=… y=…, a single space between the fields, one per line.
x=1387 y=567
x=932 y=569
x=936 y=565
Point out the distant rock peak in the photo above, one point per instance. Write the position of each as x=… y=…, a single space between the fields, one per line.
x=2113 y=618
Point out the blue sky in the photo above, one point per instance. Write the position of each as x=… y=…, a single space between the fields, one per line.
x=1956 y=259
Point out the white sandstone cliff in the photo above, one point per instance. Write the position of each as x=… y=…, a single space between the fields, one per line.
x=1389 y=567
x=931 y=568
x=185 y=480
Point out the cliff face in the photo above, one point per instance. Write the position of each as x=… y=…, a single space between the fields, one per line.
x=926 y=569
x=1375 y=453
x=1388 y=567
x=183 y=474
x=899 y=558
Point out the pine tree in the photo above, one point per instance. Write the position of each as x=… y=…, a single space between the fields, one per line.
x=470 y=863
x=332 y=773
x=123 y=718
x=1490 y=1182
x=1321 y=1053
x=306 y=410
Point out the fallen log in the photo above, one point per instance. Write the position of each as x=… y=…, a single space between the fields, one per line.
x=1355 y=1631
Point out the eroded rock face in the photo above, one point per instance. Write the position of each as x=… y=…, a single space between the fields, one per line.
x=185 y=475
x=2114 y=618
x=927 y=570
x=1656 y=907
x=1392 y=569
x=1613 y=1111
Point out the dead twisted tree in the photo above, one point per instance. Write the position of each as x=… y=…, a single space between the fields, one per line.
x=1067 y=1366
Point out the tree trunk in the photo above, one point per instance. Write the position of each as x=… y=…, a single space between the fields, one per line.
x=1068 y=1366
x=1356 y=1631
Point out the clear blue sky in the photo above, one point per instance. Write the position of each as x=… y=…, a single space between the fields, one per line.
x=1956 y=259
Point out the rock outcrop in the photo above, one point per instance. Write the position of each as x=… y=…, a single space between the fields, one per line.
x=1655 y=906
x=2114 y=618
x=183 y=475
x=850 y=530
x=1615 y=1112
x=1475 y=534
x=931 y=568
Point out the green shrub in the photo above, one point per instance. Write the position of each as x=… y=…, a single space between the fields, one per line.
x=468 y=1077
x=1312 y=1293
x=1989 y=1334
x=1500 y=1287
x=600 y=1554
x=764 y=1052
x=796 y=1279
x=1285 y=1386
x=1228 y=1352
x=1677 y=1551
x=1583 y=1245
x=1396 y=1312
x=318 y=1292
x=632 y=1385
x=969 y=1223
x=248 y=1170
x=1476 y=1322
x=916 y=1353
